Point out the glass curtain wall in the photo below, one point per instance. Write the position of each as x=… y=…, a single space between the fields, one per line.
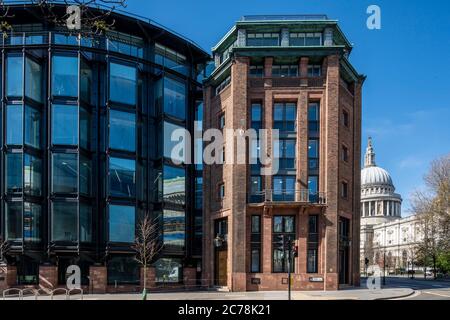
x=23 y=155
x=70 y=157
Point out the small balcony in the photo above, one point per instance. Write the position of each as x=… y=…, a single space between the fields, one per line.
x=287 y=196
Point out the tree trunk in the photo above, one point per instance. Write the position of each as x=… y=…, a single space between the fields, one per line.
x=434 y=267
x=145 y=277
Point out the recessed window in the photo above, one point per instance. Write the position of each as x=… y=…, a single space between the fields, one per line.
x=313 y=118
x=263 y=39
x=283 y=234
x=344 y=154
x=14 y=75
x=174 y=98
x=313 y=188
x=65 y=173
x=255 y=263
x=256 y=71
x=122 y=177
x=313 y=154
x=283 y=188
x=122 y=223
x=284 y=117
x=345 y=118
x=286 y=153
x=221 y=191
x=64 y=124
x=256 y=114
x=284 y=71
x=221 y=86
x=305 y=39
x=313 y=244
x=64 y=221
x=122 y=130
x=65 y=76
x=314 y=70
x=344 y=190
x=122 y=83
x=222 y=121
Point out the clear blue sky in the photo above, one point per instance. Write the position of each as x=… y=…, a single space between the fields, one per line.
x=406 y=101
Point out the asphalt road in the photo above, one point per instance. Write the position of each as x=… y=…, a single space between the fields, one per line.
x=425 y=289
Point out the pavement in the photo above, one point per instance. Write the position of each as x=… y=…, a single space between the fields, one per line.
x=347 y=294
x=396 y=288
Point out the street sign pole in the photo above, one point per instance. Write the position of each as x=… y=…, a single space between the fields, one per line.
x=289 y=267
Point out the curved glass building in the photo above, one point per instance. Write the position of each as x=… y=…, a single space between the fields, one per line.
x=86 y=121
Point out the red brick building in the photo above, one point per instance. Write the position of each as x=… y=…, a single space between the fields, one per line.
x=289 y=73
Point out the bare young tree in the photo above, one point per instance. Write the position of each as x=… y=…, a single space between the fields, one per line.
x=93 y=21
x=432 y=207
x=147 y=244
x=3 y=248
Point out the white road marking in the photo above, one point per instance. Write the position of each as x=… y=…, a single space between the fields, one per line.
x=437 y=294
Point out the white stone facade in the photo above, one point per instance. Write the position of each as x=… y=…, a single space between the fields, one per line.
x=384 y=233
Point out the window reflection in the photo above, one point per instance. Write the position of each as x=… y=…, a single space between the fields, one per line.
x=33 y=175
x=85 y=129
x=174 y=185
x=32 y=127
x=85 y=81
x=176 y=155
x=14 y=73
x=122 y=177
x=64 y=221
x=168 y=270
x=85 y=176
x=64 y=124
x=31 y=222
x=122 y=130
x=122 y=83
x=174 y=98
x=14 y=176
x=121 y=223
x=13 y=221
x=85 y=223
x=65 y=76
x=33 y=80
x=174 y=229
x=123 y=270
x=65 y=173
x=14 y=124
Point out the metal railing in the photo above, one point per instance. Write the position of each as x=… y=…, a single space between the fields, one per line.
x=299 y=196
x=278 y=17
x=116 y=11
x=20 y=294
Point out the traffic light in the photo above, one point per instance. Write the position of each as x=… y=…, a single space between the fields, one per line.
x=366 y=261
x=295 y=251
